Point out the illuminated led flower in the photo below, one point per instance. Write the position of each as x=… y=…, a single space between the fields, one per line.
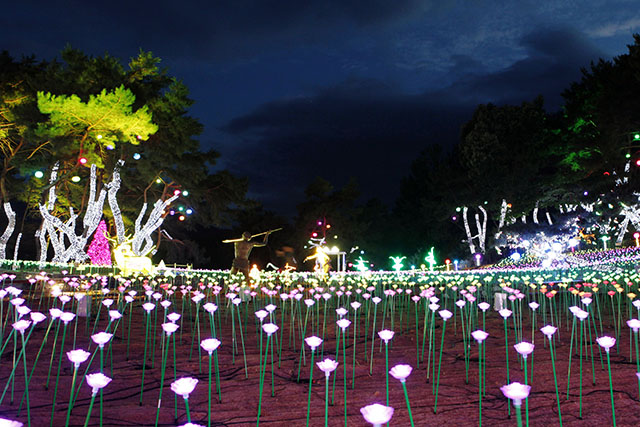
x=343 y=323
x=97 y=381
x=148 y=306
x=356 y=305
x=634 y=324
x=107 y=302
x=4 y=422
x=313 y=342
x=21 y=325
x=524 y=348
x=581 y=315
x=445 y=314
x=401 y=372
x=101 y=338
x=341 y=311
x=534 y=305
x=606 y=342
x=169 y=328
x=386 y=335
x=549 y=330
x=114 y=315
x=460 y=303
x=309 y=302
x=67 y=317
x=270 y=308
x=484 y=306
x=269 y=328
x=55 y=313
x=184 y=386
x=78 y=356
x=479 y=335
x=377 y=414
x=210 y=345
x=376 y=300
x=327 y=366
x=37 y=317
x=210 y=307
x=165 y=304
x=505 y=313
x=516 y=392
x=261 y=314
x=173 y=317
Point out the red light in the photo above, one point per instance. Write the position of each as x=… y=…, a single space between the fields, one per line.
x=181 y=218
x=606 y=173
x=447 y=261
x=638 y=162
x=82 y=160
x=314 y=234
x=176 y=192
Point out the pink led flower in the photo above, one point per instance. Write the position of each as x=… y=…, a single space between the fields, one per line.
x=210 y=307
x=327 y=366
x=173 y=317
x=516 y=392
x=549 y=330
x=169 y=328
x=341 y=311
x=634 y=324
x=401 y=372
x=114 y=315
x=261 y=314
x=355 y=305
x=386 y=335
x=313 y=342
x=606 y=342
x=21 y=325
x=67 y=317
x=343 y=323
x=376 y=301
x=148 y=306
x=210 y=345
x=165 y=304
x=10 y=423
x=23 y=310
x=534 y=305
x=270 y=308
x=479 y=335
x=107 y=302
x=484 y=306
x=55 y=313
x=505 y=313
x=377 y=414
x=184 y=386
x=445 y=314
x=101 y=338
x=524 y=348
x=97 y=381
x=269 y=328
x=581 y=315
x=78 y=356
x=37 y=317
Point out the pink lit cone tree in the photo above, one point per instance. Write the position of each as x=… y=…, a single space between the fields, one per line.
x=99 y=251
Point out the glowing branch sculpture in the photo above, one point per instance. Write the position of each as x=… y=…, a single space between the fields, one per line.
x=142 y=233
x=11 y=225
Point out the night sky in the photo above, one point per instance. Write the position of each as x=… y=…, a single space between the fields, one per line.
x=291 y=90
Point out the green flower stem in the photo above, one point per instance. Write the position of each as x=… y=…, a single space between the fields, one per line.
x=406 y=398
x=580 y=393
x=262 y=374
x=555 y=379
x=519 y=414
x=526 y=401
x=209 y=393
x=386 y=371
x=186 y=404
x=53 y=353
x=373 y=336
x=333 y=389
x=93 y=398
x=304 y=330
x=244 y=354
x=26 y=379
x=480 y=383
x=435 y=406
x=506 y=347
x=613 y=410
x=635 y=333
x=431 y=338
x=310 y=382
x=326 y=401
x=344 y=373
x=73 y=381
x=144 y=359
x=573 y=327
x=55 y=393
x=353 y=368
x=163 y=355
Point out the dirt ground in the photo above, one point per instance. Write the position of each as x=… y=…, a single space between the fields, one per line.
x=457 y=401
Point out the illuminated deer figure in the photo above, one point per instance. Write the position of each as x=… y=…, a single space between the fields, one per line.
x=127 y=261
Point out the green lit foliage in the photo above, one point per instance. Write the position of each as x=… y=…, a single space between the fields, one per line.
x=105 y=120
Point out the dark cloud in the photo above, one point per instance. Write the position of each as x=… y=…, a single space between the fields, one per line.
x=203 y=29
x=368 y=129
